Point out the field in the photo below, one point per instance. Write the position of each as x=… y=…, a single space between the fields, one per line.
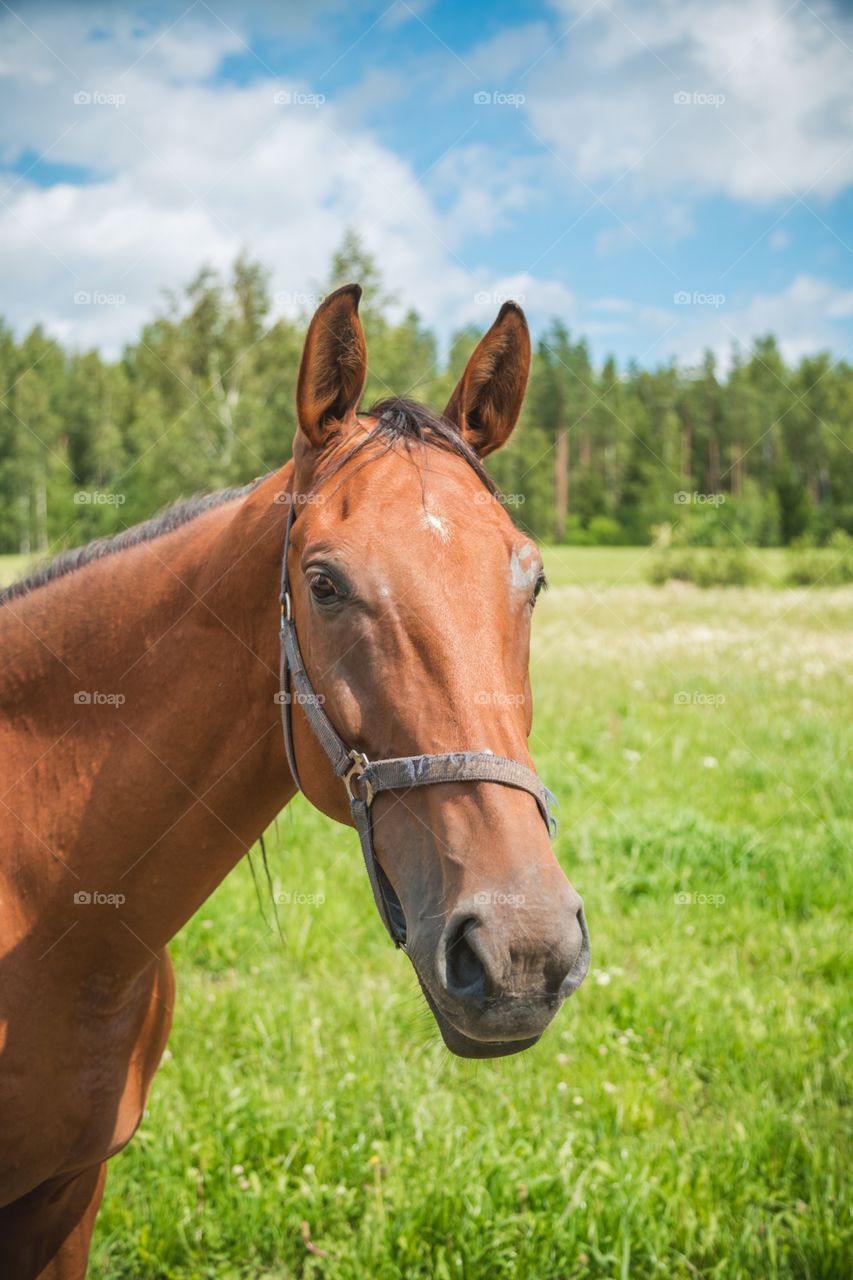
x=688 y=1113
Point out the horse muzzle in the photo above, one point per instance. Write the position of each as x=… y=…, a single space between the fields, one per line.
x=493 y=989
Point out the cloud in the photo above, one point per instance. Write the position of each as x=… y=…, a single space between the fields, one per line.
x=484 y=194
x=754 y=101
x=668 y=221
x=188 y=169
x=806 y=315
x=779 y=239
x=541 y=299
x=184 y=166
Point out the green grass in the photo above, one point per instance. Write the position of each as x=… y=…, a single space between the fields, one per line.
x=688 y=1113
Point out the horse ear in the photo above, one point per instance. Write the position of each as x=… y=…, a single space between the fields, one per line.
x=486 y=403
x=333 y=369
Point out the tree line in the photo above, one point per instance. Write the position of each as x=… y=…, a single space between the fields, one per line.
x=205 y=399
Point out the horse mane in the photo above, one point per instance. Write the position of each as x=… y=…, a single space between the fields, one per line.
x=179 y=513
x=397 y=420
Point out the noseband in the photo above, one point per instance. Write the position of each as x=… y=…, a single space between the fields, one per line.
x=365 y=779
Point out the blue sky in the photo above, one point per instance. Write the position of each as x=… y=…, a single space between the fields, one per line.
x=663 y=176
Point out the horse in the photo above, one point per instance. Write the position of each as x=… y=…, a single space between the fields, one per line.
x=142 y=686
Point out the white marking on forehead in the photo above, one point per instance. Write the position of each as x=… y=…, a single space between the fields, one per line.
x=437 y=524
x=522 y=574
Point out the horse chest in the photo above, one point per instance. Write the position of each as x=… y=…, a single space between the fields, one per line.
x=80 y=1099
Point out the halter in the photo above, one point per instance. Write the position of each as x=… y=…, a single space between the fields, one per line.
x=365 y=779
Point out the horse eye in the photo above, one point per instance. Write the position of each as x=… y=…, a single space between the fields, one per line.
x=541 y=585
x=322 y=587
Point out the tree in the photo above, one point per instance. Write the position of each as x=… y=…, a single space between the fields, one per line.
x=205 y=398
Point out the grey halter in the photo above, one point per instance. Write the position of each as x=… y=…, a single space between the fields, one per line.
x=364 y=778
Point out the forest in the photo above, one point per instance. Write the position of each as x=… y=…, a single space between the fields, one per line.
x=604 y=455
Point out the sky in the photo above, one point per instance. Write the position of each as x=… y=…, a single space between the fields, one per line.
x=664 y=176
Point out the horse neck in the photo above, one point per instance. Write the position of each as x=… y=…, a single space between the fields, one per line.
x=174 y=768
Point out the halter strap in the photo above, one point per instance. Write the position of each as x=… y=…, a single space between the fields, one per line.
x=364 y=778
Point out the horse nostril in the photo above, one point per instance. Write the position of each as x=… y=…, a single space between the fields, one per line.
x=580 y=964
x=466 y=975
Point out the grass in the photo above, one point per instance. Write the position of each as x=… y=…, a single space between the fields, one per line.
x=688 y=1114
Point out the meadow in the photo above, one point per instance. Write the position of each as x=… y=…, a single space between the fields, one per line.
x=688 y=1113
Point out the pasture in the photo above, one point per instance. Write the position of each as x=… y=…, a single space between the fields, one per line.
x=688 y=1113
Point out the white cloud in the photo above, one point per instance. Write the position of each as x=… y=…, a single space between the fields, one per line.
x=667 y=222
x=186 y=170
x=804 y=315
x=604 y=97
x=541 y=299
x=484 y=194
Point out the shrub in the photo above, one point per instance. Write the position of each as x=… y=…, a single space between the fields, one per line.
x=828 y=566
x=606 y=532
x=728 y=521
x=703 y=566
x=602 y=531
x=577 y=535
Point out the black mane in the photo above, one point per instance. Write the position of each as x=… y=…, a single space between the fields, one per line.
x=409 y=421
x=397 y=419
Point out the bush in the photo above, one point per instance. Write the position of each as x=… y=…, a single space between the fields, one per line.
x=577 y=535
x=606 y=532
x=602 y=531
x=751 y=518
x=703 y=566
x=829 y=566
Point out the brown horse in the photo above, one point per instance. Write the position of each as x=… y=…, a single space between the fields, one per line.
x=143 y=755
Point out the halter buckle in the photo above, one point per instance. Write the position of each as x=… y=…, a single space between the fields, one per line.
x=359 y=763
x=286 y=611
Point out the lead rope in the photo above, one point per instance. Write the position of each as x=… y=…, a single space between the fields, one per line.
x=363 y=778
